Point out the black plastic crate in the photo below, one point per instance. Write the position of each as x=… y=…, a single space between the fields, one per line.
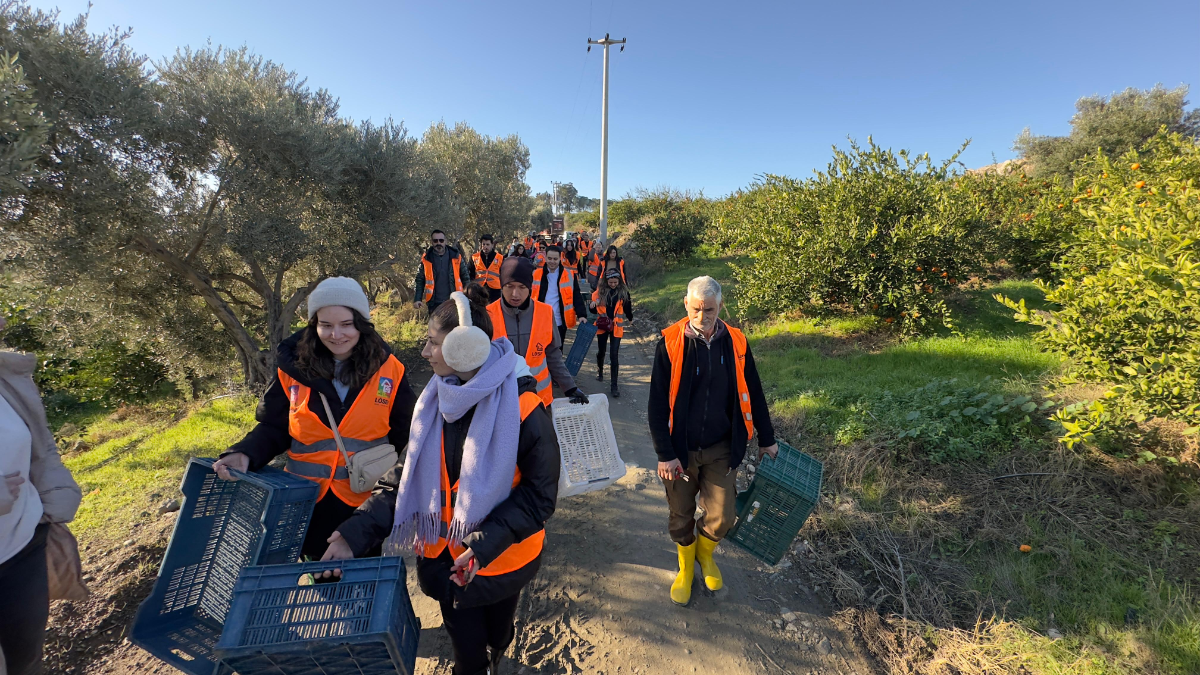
x=222 y=527
x=362 y=624
x=783 y=494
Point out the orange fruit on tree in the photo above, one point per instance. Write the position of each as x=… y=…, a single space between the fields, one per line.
x=1026 y=548
x=888 y=320
x=1136 y=166
x=1140 y=184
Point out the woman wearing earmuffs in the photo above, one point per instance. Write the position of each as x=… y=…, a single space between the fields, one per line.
x=479 y=482
x=339 y=368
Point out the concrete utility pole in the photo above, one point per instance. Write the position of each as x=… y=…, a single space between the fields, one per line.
x=604 y=135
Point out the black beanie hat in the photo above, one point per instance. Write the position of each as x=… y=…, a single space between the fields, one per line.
x=518 y=269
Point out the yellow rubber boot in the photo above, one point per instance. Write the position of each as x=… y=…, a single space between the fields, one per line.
x=708 y=567
x=681 y=590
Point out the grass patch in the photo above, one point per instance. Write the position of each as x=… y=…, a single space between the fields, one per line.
x=662 y=293
x=134 y=460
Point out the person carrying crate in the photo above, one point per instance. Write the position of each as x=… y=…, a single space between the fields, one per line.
x=706 y=402
x=478 y=485
x=337 y=360
x=529 y=325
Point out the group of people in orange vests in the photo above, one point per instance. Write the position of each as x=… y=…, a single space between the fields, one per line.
x=477 y=474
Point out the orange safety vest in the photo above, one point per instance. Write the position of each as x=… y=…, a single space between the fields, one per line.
x=618 y=320
x=593 y=269
x=541 y=336
x=539 y=258
x=314 y=453
x=600 y=283
x=528 y=243
x=566 y=290
x=674 y=339
x=584 y=249
x=490 y=275
x=515 y=556
x=455 y=262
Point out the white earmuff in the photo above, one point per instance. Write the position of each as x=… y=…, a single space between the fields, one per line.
x=467 y=347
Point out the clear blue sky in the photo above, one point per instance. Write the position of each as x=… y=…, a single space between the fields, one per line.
x=707 y=95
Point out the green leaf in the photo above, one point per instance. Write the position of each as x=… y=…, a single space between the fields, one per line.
x=1029 y=407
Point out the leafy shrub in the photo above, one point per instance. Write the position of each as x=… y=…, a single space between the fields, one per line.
x=673 y=232
x=108 y=372
x=948 y=422
x=1031 y=219
x=879 y=232
x=1129 y=293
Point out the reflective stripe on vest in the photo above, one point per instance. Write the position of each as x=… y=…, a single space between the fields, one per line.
x=541 y=336
x=566 y=291
x=314 y=454
x=515 y=556
x=673 y=338
x=455 y=270
x=618 y=319
x=491 y=275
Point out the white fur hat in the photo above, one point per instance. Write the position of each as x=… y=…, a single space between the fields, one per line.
x=342 y=291
x=467 y=347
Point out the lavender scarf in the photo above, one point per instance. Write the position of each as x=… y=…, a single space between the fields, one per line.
x=489 y=453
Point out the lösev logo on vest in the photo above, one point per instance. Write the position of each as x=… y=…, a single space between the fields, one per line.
x=539 y=348
x=383 y=394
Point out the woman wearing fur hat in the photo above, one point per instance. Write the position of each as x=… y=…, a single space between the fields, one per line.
x=479 y=482
x=337 y=366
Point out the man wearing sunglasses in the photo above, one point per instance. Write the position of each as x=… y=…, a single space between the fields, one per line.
x=441 y=273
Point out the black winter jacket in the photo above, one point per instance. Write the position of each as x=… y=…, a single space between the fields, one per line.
x=670 y=444
x=515 y=519
x=578 y=299
x=271 y=436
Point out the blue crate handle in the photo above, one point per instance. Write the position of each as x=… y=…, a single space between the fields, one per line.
x=288 y=576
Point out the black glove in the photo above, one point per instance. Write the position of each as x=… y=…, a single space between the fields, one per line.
x=577 y=396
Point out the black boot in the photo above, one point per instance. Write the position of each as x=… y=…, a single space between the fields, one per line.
x=600 y=371
x=616 y=393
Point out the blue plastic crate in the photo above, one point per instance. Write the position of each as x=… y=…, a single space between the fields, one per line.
x=579 y=349
x=361 y=625
x=222 y=527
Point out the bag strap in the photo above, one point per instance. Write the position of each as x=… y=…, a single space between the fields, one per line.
x=336 y=436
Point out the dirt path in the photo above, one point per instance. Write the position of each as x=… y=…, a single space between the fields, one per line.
x=600 y=603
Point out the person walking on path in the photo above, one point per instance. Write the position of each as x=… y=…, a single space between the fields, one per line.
x=612 y=262
x=706 y=403
x=571 y=257
x=556 y=285
x=35 y=491
x=529 y=325
x=441 y=273
x=594 y=263
x=614 y=307
x=337 y=359
x=485 y=266
x=478 y=485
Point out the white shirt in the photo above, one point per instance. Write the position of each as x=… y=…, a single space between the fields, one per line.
x=552 y=295
x=16 y=444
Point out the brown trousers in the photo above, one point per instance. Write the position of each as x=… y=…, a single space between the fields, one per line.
x=710 y=478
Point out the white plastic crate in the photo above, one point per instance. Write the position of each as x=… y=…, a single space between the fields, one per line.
x=587 y=445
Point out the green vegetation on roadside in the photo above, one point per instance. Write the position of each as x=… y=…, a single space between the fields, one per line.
x=132 y=459
x=1112 y=578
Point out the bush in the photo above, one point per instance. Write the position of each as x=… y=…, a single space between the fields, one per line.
x=1129 y=291
x=948 y=422
x=108 y=372
x=673 y=232
x=1030 y=219
x=879 y=233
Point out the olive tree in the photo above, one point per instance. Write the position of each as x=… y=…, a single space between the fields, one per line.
x=218 y=190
